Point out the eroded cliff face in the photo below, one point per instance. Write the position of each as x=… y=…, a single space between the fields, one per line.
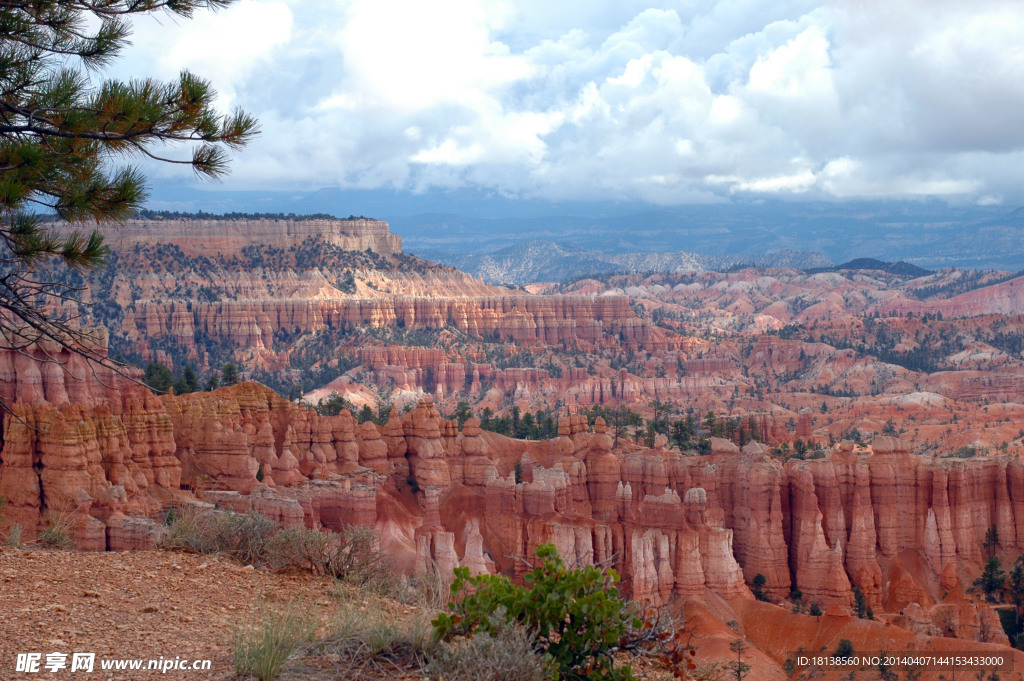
x=47 y=372
x=529 y=320
x=292 y=301
x=907 y=531
x=197 y=236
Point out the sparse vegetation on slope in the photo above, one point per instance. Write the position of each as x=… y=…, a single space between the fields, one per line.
x=577 y=618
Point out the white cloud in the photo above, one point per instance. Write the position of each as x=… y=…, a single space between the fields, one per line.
x=412 y=54
x=656 y=101
x=799 y=69
x=226 y=47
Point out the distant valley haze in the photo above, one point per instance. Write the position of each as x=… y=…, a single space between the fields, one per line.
x=852 y=129
x=461 y=227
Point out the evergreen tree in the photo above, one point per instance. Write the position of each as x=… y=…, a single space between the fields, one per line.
x=462 y=413
x=992 y=578
x=485 y=418
x=333 y=405
x=650 y=435
x=60 y=132
x=758 y=590
x=660 y=419
x=682 y=434
x=991 y=540
x=188 y=375
x=527 y=428
x=365 y=414
x=157 y=377
x=213 y=382
x=229 y=374
x=861 y=607
x=710 y=424
x=738 y=668
x=1016 y=586
x=187 y=382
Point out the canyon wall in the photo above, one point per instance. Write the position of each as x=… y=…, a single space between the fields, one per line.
x=591 y=322
x=905 y=530
x=550 y=320
x=432 y=370
x=203 y=237
x=50 y=372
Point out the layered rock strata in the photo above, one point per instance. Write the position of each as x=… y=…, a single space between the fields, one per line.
x=197 y=236
x=551 y=320
x=903 y=529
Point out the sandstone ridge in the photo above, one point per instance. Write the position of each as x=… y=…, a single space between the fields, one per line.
x=197 y=236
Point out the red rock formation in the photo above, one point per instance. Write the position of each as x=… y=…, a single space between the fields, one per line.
x=551 y=320
x=904 y=529
x=46 y=372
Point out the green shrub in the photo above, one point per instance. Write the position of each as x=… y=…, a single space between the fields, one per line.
x=576 y=616
x=861 y=607
x=758 y=590
x=815 y=610
x=844 y=648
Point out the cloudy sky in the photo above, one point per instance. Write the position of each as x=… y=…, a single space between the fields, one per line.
x=666 y=102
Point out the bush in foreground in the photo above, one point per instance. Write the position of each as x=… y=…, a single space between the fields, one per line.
x=505 y=655
x=352 y=555
x=243 y=536
x=14 y=536
x=369 y=643
x=263 y=647
x=59 y=528
x=576 y=618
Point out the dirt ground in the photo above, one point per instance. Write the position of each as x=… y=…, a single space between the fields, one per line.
x=143 y=605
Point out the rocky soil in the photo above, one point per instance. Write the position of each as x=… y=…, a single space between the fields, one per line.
x=143 y=604
x=148 y=604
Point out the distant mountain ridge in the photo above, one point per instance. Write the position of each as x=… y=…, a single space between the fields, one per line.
x=542 y=260
x=929 y=234
x=900 y=268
